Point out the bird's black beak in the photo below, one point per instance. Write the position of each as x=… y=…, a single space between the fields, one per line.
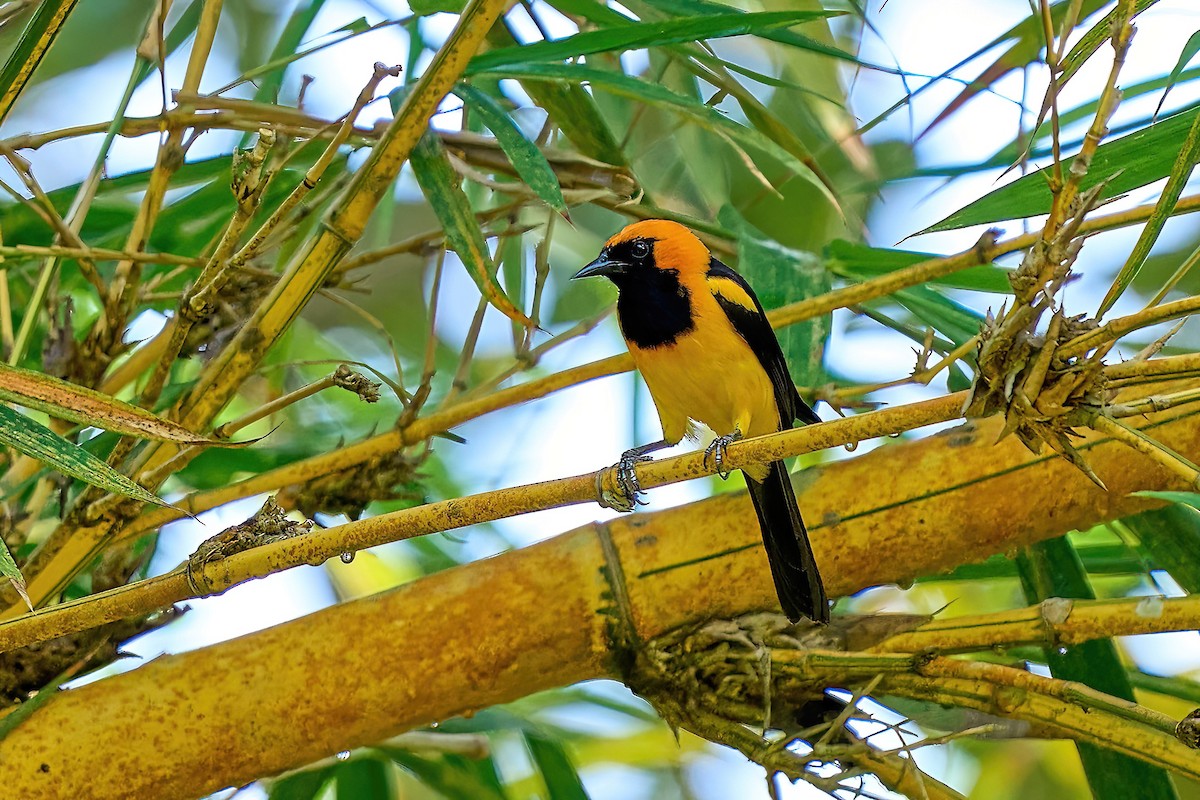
x=603 y=265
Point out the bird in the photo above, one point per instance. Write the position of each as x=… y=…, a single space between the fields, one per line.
x=703 y=345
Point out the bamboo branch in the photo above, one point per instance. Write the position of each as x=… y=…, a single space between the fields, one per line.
x=74 y=544
x=1053 y=623
x=383 y=658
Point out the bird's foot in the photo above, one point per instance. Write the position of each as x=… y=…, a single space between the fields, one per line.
x=627 y=492
x=627 y=478
x=716 y=451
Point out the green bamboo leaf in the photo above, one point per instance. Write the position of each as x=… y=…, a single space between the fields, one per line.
x=1112 y=559
x=362 y=778
x=592 y=11
x=917 y=333
x=10 y=570
x=69 y=401
x=559 y=774
x=35 y=40
x=1182 y=498
x=1052 y=569
x=655 y=94
x=37 y=441
x=1185 y=162
x=285 y=50
x=1093 y=40
x=860 y=262
x=526 y=157
x=1190 y=49
x=686 y=8
x=573 y=109
x=511 y=254
x=424 y=8
x=1010 y=153
x=1028 y=42
x=1181 y=687
x=953 y=320
x=1126 y=163
x=451 y=775
x=638 y=35
x=781 y=275
x=441 y=186
x=1171 y=536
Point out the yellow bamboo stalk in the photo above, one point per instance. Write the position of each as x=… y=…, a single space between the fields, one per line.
x=348 y=219
x=318 y=546
x=1032 y=698
x=547 y=615
x=1057 y=622
x=70 y=547
x=32 y=46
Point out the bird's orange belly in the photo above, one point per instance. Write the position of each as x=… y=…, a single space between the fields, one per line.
x=713 y=377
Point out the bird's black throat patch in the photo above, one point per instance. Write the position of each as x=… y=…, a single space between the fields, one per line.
x=654 y=308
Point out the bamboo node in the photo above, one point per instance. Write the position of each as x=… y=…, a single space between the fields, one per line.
x=1056 y=610
x=1188 y=730
x=269 y=524
x=366 y=389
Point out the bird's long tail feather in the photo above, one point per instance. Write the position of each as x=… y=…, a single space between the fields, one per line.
x=797 y=582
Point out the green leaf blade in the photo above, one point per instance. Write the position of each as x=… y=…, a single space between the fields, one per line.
x=1181 y=171
x=37 y=441
x=526 y=157
x=1127 y=163
x=780 y=276
x=1190 y=49
x=1053 y=569
x=639 y=35
x=643 y=91
x=75 y=403
x=440 y=184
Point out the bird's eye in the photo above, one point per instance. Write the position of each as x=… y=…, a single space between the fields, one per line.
x=641 y=248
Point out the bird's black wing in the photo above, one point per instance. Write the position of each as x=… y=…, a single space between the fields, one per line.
x=740 y=304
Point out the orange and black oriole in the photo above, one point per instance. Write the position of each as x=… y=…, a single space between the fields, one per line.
x=704 y=346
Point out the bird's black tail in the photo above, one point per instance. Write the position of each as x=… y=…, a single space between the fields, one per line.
x=797 y=582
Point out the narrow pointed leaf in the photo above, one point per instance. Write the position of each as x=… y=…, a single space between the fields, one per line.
x=572 y=108
x=35 y=40
x=953 y=320
x=1083 y=50
x=69 y=401
x=655 y=94
x=638 y=35
x=1093 y=40
x=781 y=275
x=286 y=47
x=1190 y=49
x=1132 y=161
x=441 y=186
x=559 y=774
x=1028 y=41
x=1052 y=569
x=526 y=157
x=10 y=570
x=786 y=36
x=38 y=441
x=1185 y=162
x=860 y=261
x=1171 y=536
x=1183 y=498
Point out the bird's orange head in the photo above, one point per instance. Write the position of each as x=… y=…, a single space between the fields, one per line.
x=647 y=245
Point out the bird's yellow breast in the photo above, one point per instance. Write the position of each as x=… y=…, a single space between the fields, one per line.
x=708 y=374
